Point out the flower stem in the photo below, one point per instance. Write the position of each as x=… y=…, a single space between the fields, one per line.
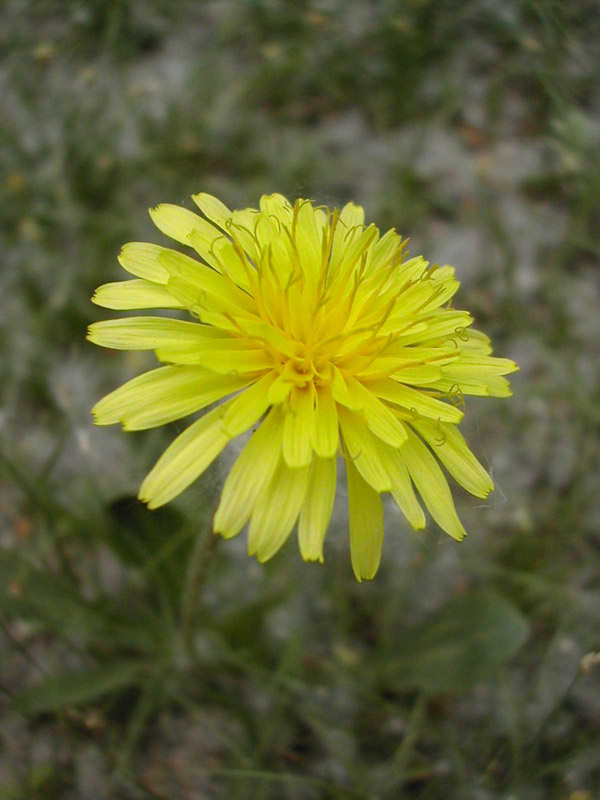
x=204 y=547
x=400 y=759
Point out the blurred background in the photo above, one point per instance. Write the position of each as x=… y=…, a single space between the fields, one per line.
x=461 y=671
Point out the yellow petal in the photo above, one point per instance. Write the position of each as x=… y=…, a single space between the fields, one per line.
x=278 y=206
x=352 y=215
x=350 y=219
x=276 y=510
x=272 y=238
x=415 y=400
x=379 y=418
x=177 y=223
x=431 y=485
x=340 y=391
x=477 y=366
x=316 y=511
x=497 y=387
x=249 y=476
x=418 y=376
x=416 y=356
x=213 y=208
x=383 y=250
x=141 y=259
x=248 y=407
x=361 y=448
x=366 y=524
x=402 y=489
x=320 y=222
x=356 y=248
x=280 y=389
x=221 y=254
x=149 y=333
x=212 y=348
x=423 y=296
x=401 y=371
x=411 y=270
x=308 y=241
x=325 y=428
x=491 y=386
x=297 y=443
x=135 y=294
x=242 y=229
x=448 y=444
x=441 y=324
x=184 y=460
x=270 y=335
x=163 y=395
x=201 y=279
x=225 y=356
x=473 y=341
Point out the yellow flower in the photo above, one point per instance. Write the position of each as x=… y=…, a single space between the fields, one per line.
x=324 y=334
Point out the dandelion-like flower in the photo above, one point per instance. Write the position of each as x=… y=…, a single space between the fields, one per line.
x=324 y=334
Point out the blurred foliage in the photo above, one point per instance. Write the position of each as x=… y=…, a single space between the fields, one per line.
x=128 y=668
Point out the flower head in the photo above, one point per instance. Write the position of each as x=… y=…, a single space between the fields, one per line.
x=326 y=336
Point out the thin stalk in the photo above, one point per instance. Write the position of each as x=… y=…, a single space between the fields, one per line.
x=204 y=547
x=401 y=758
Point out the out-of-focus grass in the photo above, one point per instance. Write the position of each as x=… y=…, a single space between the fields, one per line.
x=126 y=672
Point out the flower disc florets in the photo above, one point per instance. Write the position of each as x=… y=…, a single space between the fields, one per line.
x=328 y=335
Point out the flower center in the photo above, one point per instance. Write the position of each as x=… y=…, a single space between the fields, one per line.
x=299 y=371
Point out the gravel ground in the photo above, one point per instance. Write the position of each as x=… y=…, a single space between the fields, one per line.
x=471 y=127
